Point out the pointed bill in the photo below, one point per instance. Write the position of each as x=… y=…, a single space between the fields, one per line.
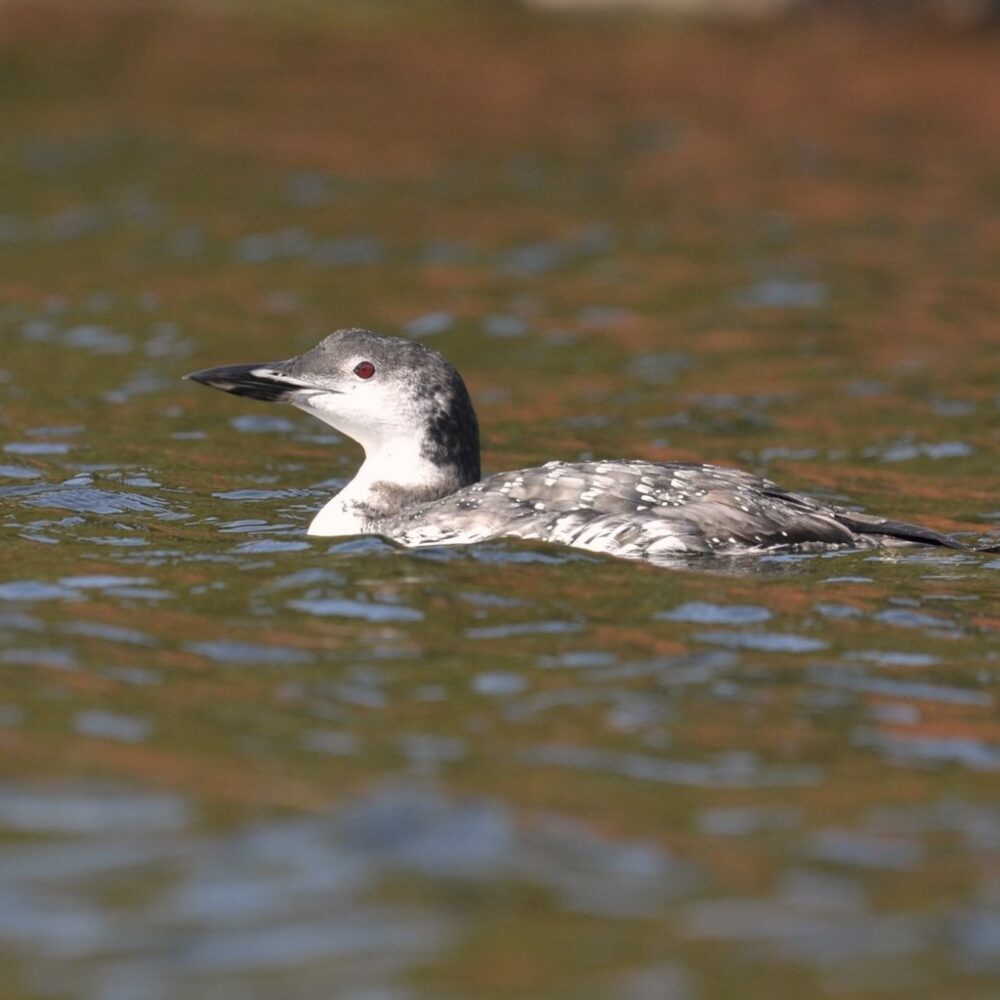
x=264 y=380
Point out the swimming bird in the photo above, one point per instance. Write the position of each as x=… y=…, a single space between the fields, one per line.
x=420 y=481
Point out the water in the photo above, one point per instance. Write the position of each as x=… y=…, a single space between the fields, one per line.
x=240 y=762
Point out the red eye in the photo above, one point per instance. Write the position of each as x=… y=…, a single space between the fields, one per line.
x=364 y=369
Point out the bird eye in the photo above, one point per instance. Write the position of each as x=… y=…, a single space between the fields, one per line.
x=364 y=369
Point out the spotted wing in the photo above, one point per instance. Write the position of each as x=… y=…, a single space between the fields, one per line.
x=627 y=509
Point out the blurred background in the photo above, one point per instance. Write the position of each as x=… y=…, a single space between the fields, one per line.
x=239 y=763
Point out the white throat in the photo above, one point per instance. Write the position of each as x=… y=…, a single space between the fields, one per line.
x=401 y=468
x=390 y=479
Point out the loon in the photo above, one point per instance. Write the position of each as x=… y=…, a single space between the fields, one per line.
x=420 y=481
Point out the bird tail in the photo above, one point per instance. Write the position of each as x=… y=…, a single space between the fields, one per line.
x=865 y=524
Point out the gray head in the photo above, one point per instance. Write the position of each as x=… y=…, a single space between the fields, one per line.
x=388 y=394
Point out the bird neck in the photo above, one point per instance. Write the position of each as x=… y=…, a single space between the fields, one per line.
x=396 y=476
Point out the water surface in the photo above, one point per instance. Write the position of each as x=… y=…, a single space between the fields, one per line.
x=240 y=762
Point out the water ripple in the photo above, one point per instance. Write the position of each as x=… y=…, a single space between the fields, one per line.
x=729 y=771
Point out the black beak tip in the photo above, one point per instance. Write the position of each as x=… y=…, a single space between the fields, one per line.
x=208 y=377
